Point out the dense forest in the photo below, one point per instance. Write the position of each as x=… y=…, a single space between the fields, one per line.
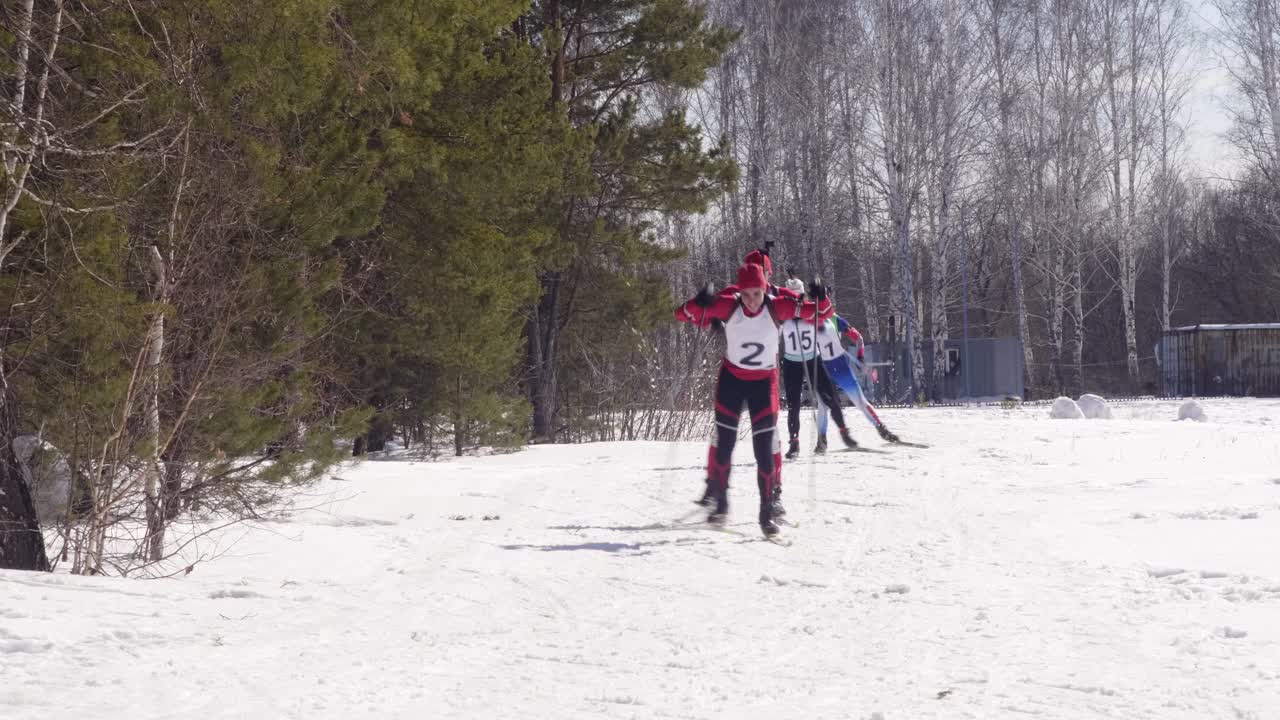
x=241 y=241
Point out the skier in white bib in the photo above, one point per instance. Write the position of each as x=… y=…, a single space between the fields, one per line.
x=800 y=352
x=749 y=377
x=840 y=367
x=755 y=257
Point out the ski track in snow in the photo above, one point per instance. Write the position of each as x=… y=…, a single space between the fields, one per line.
x=1022 y=566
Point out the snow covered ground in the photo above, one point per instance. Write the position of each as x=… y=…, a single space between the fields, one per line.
x=1022 y=566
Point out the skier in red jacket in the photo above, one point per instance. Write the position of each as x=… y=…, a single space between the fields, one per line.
x=749 y=376
x=755 y=257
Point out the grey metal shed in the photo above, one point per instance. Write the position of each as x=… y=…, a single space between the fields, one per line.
x=985 y=368
x=1239 y=360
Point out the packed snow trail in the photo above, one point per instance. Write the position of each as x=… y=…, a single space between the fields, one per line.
x=1020 y=566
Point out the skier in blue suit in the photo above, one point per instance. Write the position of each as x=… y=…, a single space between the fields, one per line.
x=840 y=365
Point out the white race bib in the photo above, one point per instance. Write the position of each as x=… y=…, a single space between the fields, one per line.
x=829 y=347
x=797 y=340
x=751 y=343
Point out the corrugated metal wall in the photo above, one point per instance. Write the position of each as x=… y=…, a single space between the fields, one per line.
x=1220 y=361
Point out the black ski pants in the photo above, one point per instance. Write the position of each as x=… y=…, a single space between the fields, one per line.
x=793 y=374
x=761 y=400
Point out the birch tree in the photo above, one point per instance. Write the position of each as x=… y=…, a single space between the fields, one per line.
x=1005 y=28
x=954 y=137
x=904 y=50
x=1250 y=40
x=1170 y=43
x=1125 y=30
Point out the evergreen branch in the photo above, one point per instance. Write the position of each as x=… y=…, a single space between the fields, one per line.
x=192 y=489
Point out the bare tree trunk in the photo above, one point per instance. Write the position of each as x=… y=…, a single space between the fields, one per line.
x=728 y=94
x=867 y=279
x=861 y=234
x=164 y=481
x=1057 y=308
x=1004 y=42
x=1020 y=300
x=1117 y=114
x=1267 y=24
x=915 y=329
x=952 y=135
x=1139 y=37
x=940 y=331
x=1077 y=311
x=155 y=354
x=544 y=325
x=897 y=93
x=759 y=161
x=544 y=343
x=1170 y=37
x=1042 y=224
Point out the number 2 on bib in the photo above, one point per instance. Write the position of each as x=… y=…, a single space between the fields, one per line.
x=750 y=360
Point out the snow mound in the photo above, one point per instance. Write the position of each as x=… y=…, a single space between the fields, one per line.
x=1064 y=408
x=1094 y=407
x=1191 y=410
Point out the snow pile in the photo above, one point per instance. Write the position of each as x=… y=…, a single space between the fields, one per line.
x=1191 y=410
x=1064 y=408
x=1094 y=407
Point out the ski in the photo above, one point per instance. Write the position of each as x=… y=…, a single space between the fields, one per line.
x=726 y=530
x=905 y=443
x=693 y=525
x=716 y=527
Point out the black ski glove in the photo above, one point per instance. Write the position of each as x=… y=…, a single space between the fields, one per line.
x=768 y=246
x=817 y=291
x=706 y=296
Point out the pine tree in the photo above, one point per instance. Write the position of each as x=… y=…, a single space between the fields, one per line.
x=452 y=264
x=606 y=58
x=170 y=338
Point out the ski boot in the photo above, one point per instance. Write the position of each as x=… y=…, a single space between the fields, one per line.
x=793 y=449
x=821 y=447
x=886 y=435
x=720 y=512
x=849 y=442
x=775 y=506
x=767 y=525
x=707 y=496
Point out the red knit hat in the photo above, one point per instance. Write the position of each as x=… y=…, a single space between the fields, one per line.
x=751 y=276
x=755 y=257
